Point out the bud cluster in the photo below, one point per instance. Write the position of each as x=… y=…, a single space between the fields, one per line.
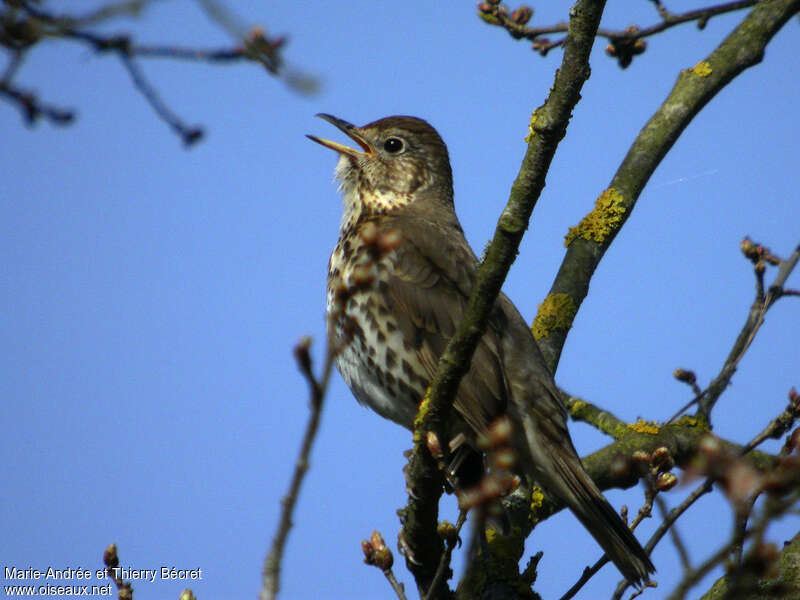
x=625 y=48
x=658 y=465
x=376 y=552
x=757 y=253
x=498 y=481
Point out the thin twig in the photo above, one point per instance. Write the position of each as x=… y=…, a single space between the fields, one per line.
x=253 y=46
x=755 y=318
x=495 y=15
x=771 y=511
x=680 y=547
x=589 y=572
x=775 y=427
x=188 y=134
x=444 y=563
x=396 y=586
x=111 y=561
x=32 y=108
x=318 y=387
x=12 y=67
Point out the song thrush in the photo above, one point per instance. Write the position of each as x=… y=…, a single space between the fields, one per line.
x=403 y=272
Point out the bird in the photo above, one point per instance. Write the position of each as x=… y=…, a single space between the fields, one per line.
x=399 y=279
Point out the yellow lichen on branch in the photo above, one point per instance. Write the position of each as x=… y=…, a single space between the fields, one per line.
x=422 y=411
x=642 y=426
x=557 y=311
x=701 y=69
x=537 y=500
x=604 y=219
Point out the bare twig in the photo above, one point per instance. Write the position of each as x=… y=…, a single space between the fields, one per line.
x=775 y=428
x=318 y=387
x=25 y=23
x=377 y=554
x=111 y=561
x=644 y=512
x=14 y=63
x=772 y=509
x=450 y=544
x=680 y=547
x=589 y=240
x=623 y=41
x=188 y=134
x=398 y=588
x=755 y=318
x=32 y=108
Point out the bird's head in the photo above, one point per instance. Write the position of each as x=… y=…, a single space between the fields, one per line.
x=400 y=161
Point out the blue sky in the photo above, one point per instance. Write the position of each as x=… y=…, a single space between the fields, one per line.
x=152 y=295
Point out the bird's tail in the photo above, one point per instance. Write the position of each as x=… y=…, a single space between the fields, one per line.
x=585 y=500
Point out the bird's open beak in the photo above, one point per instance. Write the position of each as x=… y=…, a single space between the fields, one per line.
x=350 y=130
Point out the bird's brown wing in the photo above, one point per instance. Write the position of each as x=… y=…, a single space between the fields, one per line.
x=427 y=293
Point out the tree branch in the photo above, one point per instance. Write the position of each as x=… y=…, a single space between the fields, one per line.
x=624 y=43
x=548 y=126
x=270 y=582
x=589 y=240
x=23 y=24
x=755 y=318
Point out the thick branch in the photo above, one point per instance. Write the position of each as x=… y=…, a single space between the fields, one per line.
x=547 y=129
x=588 y=242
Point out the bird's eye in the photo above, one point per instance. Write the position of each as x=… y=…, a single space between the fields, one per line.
x=393 y=145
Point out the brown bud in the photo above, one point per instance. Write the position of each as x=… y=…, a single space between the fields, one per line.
x=434 y=445
x=792 y=441
x=666 y=481
x=685 y=376
x=376 y=552
x=639 y=46
x=448 y=532
x=492 y=486
x=742 y=482
x=749 y=249
x=710 y=445
x=611 y=50
x=484 y=7
x=302 y=354
x=641 y=456
x=187 y=594
x=522 y=15
x=662 y=459
x=468 y=499
x=504 y=458
x=110 y=557
x=500 y=431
